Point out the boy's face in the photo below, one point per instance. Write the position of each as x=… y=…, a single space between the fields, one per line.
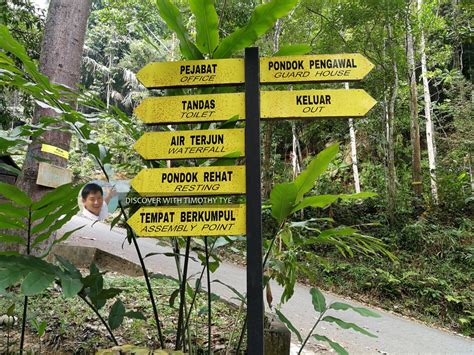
x=93 y=202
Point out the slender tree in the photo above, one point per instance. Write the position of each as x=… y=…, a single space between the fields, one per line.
x=428 y=113
x=392 y=177
x=352 y=134
x=417 y=182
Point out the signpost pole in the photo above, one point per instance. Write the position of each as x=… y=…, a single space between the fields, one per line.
x=255 y=306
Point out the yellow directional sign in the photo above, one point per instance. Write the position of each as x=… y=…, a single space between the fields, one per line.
x=193 y=108
x=192 y=144
x=189 y=221
x=192 y=73
x=312 y=68
x=209 y=180
x=315 y=103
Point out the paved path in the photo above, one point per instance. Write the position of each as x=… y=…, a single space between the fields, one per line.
x=396 y=335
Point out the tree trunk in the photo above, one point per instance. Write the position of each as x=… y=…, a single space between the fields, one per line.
x=355 y=167
x=429 y=122
x=392 y=177
x=267 y=175
x=294 y=153
x=417 y=181
x=457 y=43
x=60 y=60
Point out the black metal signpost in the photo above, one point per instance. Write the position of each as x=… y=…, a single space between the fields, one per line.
x=276 y=104
x=255 y=306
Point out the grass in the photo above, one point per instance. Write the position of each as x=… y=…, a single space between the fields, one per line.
x=73 y=328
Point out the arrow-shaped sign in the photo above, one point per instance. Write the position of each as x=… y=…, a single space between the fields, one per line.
x=192 y=73
x=314 y=68
x=191 y=108
x=315 y=103
x=192 y=144
x=209 y=180
x=189 y=221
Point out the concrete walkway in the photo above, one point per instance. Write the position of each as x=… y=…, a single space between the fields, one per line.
x=396 y=335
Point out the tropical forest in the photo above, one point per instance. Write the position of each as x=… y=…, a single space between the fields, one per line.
x=237 y=177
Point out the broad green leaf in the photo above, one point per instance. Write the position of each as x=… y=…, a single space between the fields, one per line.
x=9 y=277
x=318 y=300
x=339 y=306
x=71 y=286
x=322 y=201
x=346 y=325
x=36 y=282
x=70 y=268
x=282 y=198
x=117 y=312
x=336 y=346
x=289 y=325
x=135 y=315
x=107 y=294
x=173 y=297
x=295 y=49
x=305 y=181
x=262 y=20
x=318 y=201
x=207 y=33
x=13 y=193
x=4 y=238
x=11 y=210
x=287 y=237
x=170 y=14
x=336 y=232
x=357 y=196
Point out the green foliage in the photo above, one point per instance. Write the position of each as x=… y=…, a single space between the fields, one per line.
x=295 y=49
x=207 y=34
x=116 y=315
x=262 y=20
x=287 y=199
x=170 y=14
x=319 y=305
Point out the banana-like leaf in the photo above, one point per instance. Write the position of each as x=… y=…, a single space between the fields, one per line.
x=295 y=49
x=282 y=198
x=305 y=181
x=207 y=21
x=170 y=14
x=322 y=201
x=262 y=20
x=318 y=201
